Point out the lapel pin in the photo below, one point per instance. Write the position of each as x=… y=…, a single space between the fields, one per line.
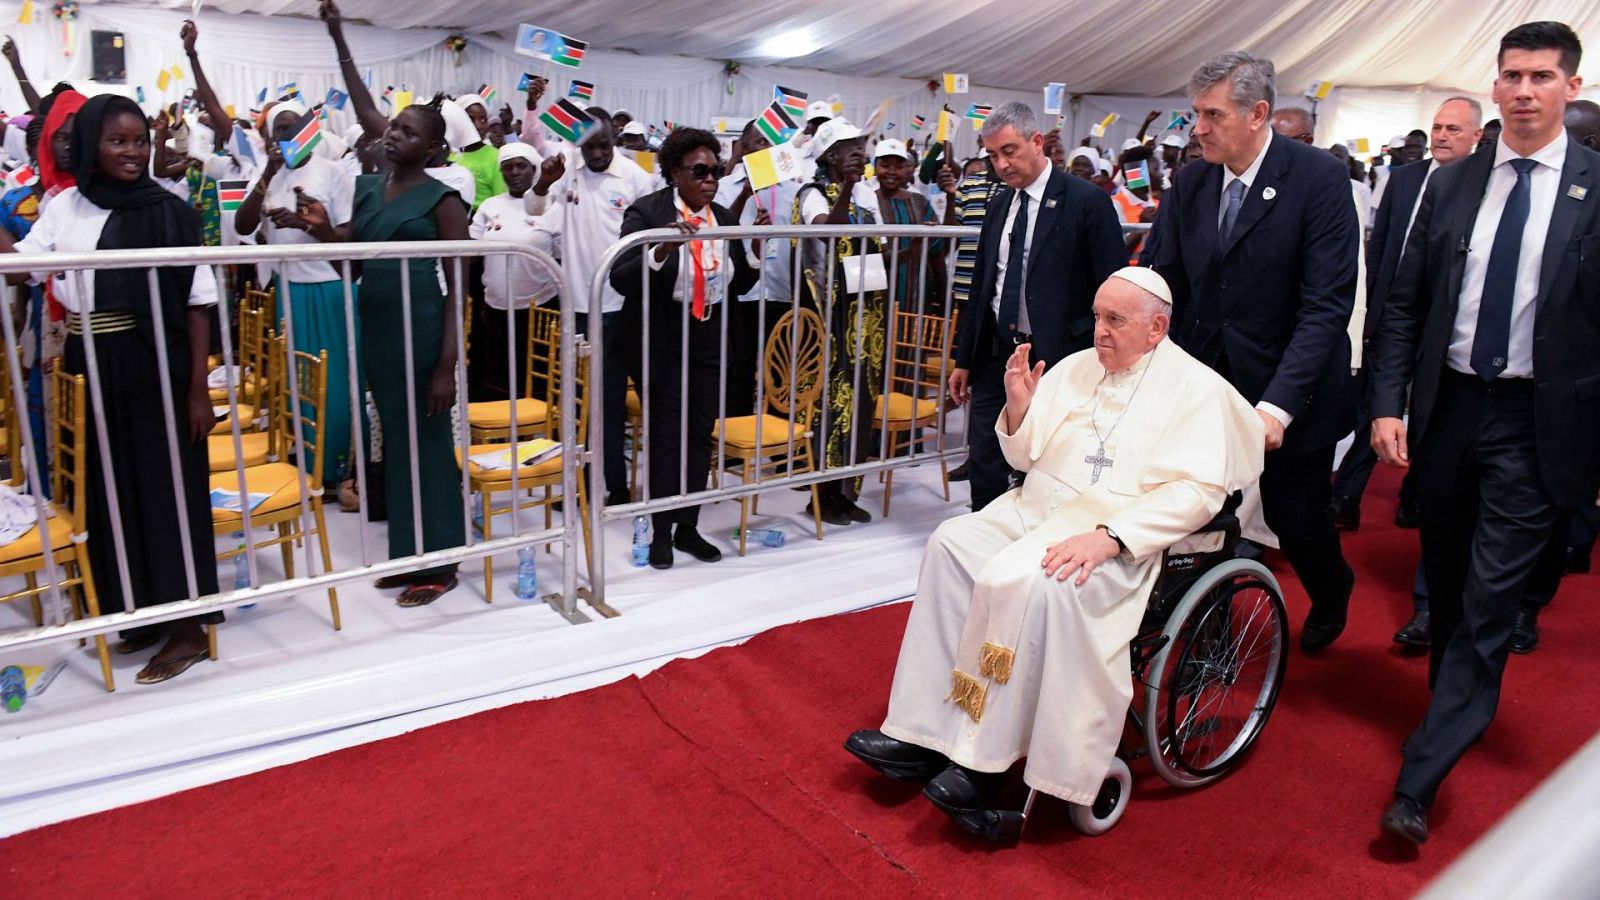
x=1577 y=192
x=1049 y=203
x=1268 y=194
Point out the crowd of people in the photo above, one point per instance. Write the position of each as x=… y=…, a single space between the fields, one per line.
x=1318 y=286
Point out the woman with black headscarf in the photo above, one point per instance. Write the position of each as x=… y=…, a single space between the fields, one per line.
x=115 y=206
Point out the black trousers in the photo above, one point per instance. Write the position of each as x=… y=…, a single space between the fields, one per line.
x=749 y=326
x=1355 y=470
x=620 y=345
x=1295 y=492
x=1486 y=517
x=680 y=422
x=988 y=473
x=488 y=378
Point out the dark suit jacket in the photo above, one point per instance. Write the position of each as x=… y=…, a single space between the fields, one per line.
x=1389 y=235
x=660 y=210
x=1077 y=244
x=1276 y=300
x=1414 y=337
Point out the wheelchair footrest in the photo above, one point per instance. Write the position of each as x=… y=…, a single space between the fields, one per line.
x=999 y=825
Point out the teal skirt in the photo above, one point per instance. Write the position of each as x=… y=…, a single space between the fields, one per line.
x=319 y=325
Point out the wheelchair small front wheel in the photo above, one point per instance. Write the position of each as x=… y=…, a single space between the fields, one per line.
x=1211 y=688
x=1106 y=811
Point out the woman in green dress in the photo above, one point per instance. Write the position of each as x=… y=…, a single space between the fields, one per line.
x=409 y=205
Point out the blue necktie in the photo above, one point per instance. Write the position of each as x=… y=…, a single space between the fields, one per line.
x=1235 y=200
x=1016 y=263
x=1492 y=342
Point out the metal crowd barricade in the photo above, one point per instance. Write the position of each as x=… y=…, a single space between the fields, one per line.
x=828 y=236
x=81 y=267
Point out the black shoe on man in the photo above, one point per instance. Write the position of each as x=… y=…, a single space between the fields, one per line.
x=1415 y=633
x=959 y=790
x=1406 y=819
x=691 y=542
x=1345 y=513
x=1406 y=516
x=1525 y=634
x=1326 y=622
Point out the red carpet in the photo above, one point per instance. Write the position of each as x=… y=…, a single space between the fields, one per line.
x=724 y=776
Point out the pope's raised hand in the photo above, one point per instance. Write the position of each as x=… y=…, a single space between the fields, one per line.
x=1021 y=379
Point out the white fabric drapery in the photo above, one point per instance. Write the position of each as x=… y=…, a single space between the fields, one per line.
x=1128 y=64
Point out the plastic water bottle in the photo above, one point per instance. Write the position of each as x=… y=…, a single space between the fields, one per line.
x=241 y=568
x=13 y=688
x=527 y=575
x=641 y=542
x=768 y=537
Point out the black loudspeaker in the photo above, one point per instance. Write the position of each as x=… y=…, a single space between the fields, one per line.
x=106 y=57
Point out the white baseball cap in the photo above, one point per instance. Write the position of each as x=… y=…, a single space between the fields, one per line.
x=634 y=127
x=1173 y=140
x=1131 y=143
x=891 y=147
x=819 y=109
x=832 y=132
x=1397 y=142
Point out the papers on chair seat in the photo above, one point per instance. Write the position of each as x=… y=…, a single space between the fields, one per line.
x=17 y=514
x=221 y=376
x=224 y=499
x=529 y=453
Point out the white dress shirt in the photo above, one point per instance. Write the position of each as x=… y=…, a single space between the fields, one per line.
x=1249 y=179
x=585 y=218
x=512 y=281
x=72 y=224
x=713 y=259
x=1544 y=185
x=1035 y=194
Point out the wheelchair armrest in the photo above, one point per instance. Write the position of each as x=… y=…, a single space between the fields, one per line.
x=1225 y=519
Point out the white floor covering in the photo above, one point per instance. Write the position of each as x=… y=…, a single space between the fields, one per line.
x=288 y=687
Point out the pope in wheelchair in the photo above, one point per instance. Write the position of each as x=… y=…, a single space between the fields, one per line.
x=1034 y=616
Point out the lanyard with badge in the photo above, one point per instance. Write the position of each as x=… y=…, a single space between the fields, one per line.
x=708 y=287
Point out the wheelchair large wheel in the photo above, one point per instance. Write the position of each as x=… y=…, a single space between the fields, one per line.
x=1212 y=686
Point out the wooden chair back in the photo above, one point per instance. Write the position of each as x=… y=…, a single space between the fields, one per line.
x=794 y=362
x=311 y=373
x=918 y=354
x=69 y=457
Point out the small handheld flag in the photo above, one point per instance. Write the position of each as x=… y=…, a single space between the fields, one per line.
x=1359 y=145
x=955 y=83
x=1319 y=90
x=489 y=95
x=288 y=91
x=231 y=194
x=261 y=98
x=1054 y=92
x=138 y=95
x=21 y=176
x=163 y=78
x=1137 y=176
x=26 y=16
x=580 y=90
x=336 y=99
x=1179 y=119
x=775 y=124
x=671 y=125
x=1099 y=129
x=917 y=122
x=948 y=126
x=777 y=163
x=402 y=99
x=793 y=101
x=544 y=43
x=298 y=149
x=567 y=121
x=177 y=72
x=979 y=113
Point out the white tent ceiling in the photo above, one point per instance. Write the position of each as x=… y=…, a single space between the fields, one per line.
x=1094 y=46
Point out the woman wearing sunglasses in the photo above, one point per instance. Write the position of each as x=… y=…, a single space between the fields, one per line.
x=691 y=286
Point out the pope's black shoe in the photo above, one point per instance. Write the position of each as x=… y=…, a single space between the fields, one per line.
x=1406 y=819
x=900 y=760
x=959 y=790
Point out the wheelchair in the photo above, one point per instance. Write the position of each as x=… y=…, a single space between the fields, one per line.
x=1210 y=657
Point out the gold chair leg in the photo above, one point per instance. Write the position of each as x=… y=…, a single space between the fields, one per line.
x=91 y=601
x=38 y=608
x=286 y=545
x=944 y=474
x=583 y=522
x=888 y=489
x=488 y=534
x=211 y=641
x=816 y=509
x=327 y=561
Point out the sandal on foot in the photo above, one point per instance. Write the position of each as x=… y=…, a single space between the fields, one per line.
x=422 y=593
x=157 y=672
x=128 y=646
x=389 y=582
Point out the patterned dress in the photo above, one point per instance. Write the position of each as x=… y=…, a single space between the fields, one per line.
x=858 y=335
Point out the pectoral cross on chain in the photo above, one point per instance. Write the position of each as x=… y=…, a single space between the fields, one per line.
x=1100 y=461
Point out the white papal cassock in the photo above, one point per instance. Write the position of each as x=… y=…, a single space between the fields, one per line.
x=1001 y=660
